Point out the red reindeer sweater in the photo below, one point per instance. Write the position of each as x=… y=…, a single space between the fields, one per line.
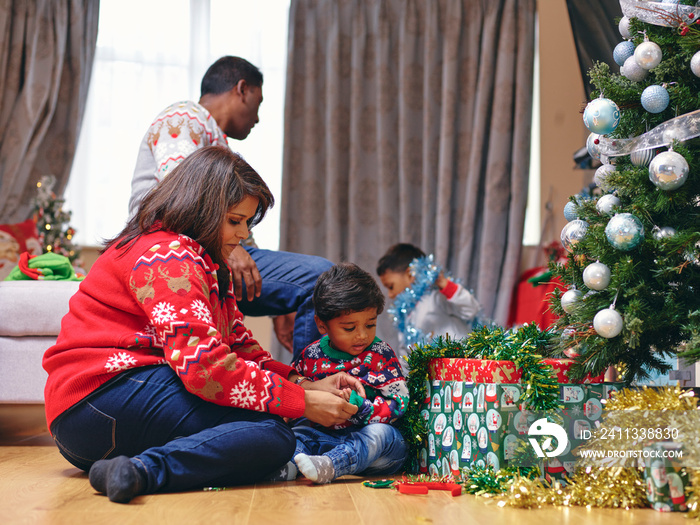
x=158 y=304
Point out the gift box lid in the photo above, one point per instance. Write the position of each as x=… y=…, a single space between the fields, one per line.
x=493 y=371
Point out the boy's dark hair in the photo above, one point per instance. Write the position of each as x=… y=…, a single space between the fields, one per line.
x=343 y=289
x=225 y=73
x=398 y=258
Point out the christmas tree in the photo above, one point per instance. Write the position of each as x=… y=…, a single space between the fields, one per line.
x=633 y=264
x=55 y=234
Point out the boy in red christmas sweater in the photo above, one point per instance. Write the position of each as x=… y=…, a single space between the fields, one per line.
x=347 y=301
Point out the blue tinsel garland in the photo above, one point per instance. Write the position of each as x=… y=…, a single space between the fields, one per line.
x=425 y=271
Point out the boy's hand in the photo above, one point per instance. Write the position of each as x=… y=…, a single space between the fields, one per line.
x=441 y=281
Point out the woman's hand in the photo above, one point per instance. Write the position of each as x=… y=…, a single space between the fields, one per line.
x=339 y=384
x=326 y=408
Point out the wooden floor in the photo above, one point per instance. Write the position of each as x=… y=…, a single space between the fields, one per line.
x=38 y=486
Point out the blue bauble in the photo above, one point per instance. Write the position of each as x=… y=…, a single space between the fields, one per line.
x=622 y=52
x=624 y=231
x=570 y=211
x=655 y=99
x=601 y=116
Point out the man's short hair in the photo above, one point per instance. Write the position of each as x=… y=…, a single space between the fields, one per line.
x=225 y=73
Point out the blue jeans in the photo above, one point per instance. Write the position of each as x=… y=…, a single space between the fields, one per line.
x=178 y=440
x=375 y=449
x=288 y=281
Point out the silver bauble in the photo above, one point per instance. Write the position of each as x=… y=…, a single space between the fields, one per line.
x=674 y=132
x=624 y=27
x=596 y=276
x=695 y=64
x=665 y=232
x=602 y=175
x=606 y=203
x=642 y=157
x=648 y=55
x=608 y=323
x=573 y=232
x=633 y=71
x=668 y=170
x=593 y=147
x=570 y=299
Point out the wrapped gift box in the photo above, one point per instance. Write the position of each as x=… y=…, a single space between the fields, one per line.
x=474 y=414
x=665 y=480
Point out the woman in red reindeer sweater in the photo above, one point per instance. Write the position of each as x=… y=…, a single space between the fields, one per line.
x=154 y=383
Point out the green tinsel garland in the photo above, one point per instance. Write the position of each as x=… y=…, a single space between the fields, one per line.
x=523 y=346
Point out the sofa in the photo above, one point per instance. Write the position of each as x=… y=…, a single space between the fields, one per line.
x=30 y=319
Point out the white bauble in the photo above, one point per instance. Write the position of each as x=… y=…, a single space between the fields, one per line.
x=570 y=299
x=608 y=323
x=596 y=276
x=648 y=54
x=606 y=203
x=695 y=64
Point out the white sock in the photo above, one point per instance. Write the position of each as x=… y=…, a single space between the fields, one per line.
x=318 y=469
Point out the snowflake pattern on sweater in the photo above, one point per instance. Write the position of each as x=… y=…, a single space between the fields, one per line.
x=376 y=367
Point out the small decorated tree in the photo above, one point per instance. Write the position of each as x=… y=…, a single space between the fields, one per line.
x=55 y=234
x=633 y=267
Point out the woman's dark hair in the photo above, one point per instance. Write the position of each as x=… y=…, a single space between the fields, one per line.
x=343 y=289
x=193 y=200
x=225 y=73
x=398 y=258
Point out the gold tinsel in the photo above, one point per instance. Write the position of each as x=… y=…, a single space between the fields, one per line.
x=628 y=417
x=601 y=487
x=617 y=486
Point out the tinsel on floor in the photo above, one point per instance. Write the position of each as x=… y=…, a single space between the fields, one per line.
x=612 y=486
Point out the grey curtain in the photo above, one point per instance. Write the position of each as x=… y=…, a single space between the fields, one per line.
x=409 y=121
x=46 y=54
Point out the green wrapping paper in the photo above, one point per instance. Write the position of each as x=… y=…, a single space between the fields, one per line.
x=479 y=418
x=665 y=479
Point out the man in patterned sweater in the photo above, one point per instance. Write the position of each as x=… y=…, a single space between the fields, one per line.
x=347 y=301
x=231 y=94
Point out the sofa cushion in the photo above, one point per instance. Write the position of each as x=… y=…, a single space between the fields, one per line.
x=34 y=308
x=23 y=378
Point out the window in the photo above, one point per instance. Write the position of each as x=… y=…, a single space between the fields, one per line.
x=147 y=61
